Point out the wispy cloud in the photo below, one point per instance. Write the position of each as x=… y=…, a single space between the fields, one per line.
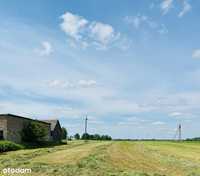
x=145 y=22
x=196 y=54
x=46 y=49
x=175 y=114
x=60 y=84
x=13 y=94
x=158 y=123
x=186 y=8
x=87 y=83
x=136 y=21
x=166 y=5
x=67 y=84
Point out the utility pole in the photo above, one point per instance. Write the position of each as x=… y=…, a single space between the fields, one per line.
x=179 y=133
x=86 y=119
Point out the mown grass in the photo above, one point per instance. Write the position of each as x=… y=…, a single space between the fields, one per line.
x=109 y=159
x=164 y=158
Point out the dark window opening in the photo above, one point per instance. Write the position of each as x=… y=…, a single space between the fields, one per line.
x=1 y=134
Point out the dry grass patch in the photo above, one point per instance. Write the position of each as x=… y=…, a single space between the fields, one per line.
x=69 y=156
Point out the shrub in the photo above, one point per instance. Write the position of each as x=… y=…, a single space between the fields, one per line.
x=9 y=146
x=34 y=132
x=42 y=144
x=64 y=133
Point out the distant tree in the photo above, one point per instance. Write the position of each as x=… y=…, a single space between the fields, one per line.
x=106 y=137
x=193 y=139
x=77 y=136
x=64 y=133
x=34 y=132
x=85 y=136
x=103 y=137
x=97 y=137
x=70 y=138
x=91 y=137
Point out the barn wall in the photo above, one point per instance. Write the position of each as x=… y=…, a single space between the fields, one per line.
x=57 y=133
x=3 y=127
x=13 y=127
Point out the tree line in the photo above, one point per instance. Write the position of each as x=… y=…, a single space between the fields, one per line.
x=86 y=136
x=193 y=139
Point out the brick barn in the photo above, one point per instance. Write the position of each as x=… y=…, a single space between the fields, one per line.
x=12 y=125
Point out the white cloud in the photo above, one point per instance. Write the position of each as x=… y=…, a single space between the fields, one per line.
x=66 y=84
x=166 y=5
x=87 y=83
x=127 y=123
x=186 y=8
x=103 y=33
x=60 y=84
x=175 y=114
x=87 y=32
x=97 y=122
x=73 y=25
x=196 y=54
x=158 y=123
x=46 y=49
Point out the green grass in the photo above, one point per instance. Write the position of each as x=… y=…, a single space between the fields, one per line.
x=9 y=146
x=112 y=158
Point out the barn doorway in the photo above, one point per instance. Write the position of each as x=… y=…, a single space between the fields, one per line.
x=1 y=134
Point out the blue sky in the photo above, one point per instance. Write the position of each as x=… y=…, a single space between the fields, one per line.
x=132 y=67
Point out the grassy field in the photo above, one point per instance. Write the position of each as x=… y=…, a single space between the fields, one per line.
x=108 y=159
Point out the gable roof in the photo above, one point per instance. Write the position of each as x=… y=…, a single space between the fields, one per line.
x=53 y=123
x=16 y=116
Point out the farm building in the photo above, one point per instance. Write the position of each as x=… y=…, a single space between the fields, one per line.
x=56 y=130
x=11 y=127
